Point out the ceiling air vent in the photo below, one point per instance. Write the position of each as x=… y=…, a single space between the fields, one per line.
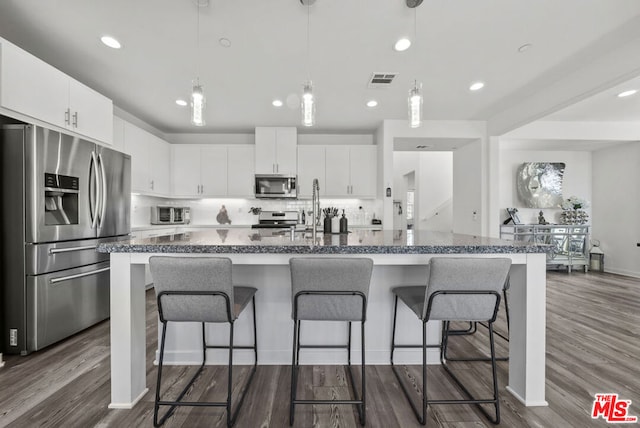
x=381 y=80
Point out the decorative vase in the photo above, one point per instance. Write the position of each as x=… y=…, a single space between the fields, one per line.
x=575 y=216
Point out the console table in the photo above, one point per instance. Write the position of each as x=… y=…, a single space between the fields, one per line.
x=570 y=243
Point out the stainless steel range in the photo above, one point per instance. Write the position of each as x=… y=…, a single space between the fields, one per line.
x=61 y=196
x=277 y=219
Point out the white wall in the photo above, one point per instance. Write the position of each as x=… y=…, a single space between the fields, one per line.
x=435 y=129
x=616 y=207
x=433 y=185
x=467 y=189
x=576 y=182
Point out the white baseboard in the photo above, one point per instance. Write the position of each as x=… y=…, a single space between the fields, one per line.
x=623 y=272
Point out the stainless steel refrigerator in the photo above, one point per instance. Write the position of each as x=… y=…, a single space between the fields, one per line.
x=61 y=196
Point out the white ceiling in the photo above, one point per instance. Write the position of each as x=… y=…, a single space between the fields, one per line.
x=458 y=42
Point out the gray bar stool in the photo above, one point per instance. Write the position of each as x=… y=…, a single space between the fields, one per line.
x=329 y=289
x=200 y=289
x=458 y=289
x=473 y=328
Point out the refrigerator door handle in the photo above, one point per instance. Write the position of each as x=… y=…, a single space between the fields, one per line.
x=103 y=204
x=78 y=275
x=94 y=172
x=68 y=250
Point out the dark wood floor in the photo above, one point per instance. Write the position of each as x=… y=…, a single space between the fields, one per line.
x=593 y=330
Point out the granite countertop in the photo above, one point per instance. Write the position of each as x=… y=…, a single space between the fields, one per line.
x=274 y=241
x=137 y=228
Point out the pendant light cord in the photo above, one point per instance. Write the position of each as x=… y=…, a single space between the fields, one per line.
x=308 y=44
x=198 y=42
x=415 y=45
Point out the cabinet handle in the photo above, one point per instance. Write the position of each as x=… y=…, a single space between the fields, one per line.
x=75 y=119
x=67 y=116
x=152 y=184
x=278 y=168
x=202 y=189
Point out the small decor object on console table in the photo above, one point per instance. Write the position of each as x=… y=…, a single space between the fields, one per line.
x=541 y=219
x=573 y=211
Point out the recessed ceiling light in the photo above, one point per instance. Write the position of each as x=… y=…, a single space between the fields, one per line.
x=372 y=103
x=402 y=44
x=277 y=103
x=111 y=42
x=224 y=42
x=476 y=86
x=181 y=103
x=627 y=93
x=525 y=47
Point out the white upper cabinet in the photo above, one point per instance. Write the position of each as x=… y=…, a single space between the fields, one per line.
x=199 y=170
x=33 y=88
x=185 y=170
x=311 y=164
x=275 y=151
x=118 y=134
x=363 y=162
x=337 y=171
x=160 y=160
x=351 y=171
x=240 y=170
x=91 y=113
x=213 y=171
x=150 y=161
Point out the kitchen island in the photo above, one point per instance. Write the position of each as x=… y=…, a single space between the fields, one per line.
x=261 y=258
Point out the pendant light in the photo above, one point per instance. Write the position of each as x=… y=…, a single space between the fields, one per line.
x=415 y=93
x=198 y=101
x=308 y=103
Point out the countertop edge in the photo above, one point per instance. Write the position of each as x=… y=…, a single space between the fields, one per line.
x=329 y=249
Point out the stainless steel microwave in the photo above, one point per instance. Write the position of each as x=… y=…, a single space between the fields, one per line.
x=276 y=186
x=163 y=214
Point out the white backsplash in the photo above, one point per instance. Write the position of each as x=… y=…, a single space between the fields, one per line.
x=204 y=211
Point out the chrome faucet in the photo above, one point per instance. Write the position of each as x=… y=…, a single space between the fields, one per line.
x=315 y=202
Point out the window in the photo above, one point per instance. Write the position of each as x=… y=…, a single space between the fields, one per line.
x=410 y=195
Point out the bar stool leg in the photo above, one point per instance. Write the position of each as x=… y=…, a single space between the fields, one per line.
x=294 y=369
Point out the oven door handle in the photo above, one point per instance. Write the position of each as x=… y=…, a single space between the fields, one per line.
x=68 y=250
x=79 y=275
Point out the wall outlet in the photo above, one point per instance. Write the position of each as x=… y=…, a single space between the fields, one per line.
x=475 y=216
x=13 y=337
